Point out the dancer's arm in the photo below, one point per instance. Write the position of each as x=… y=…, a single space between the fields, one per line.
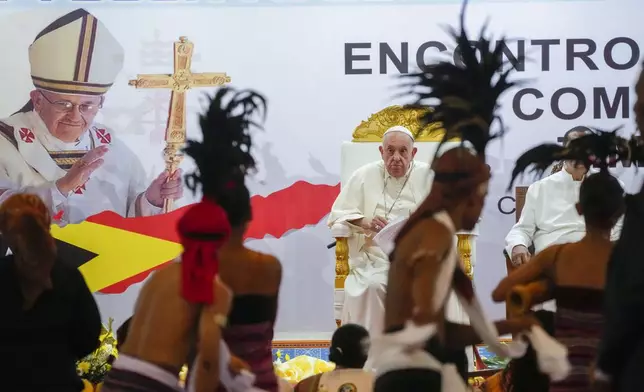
x=212 y=319
x=459 y=336
x=536 y=269
x=425 y=263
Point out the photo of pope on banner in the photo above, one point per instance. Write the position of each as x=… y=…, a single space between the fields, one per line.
x=52 y=147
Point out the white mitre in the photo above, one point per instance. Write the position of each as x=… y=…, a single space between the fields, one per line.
x=75 y=54
x=398 y=128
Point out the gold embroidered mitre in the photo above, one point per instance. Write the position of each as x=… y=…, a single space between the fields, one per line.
x=75 y=54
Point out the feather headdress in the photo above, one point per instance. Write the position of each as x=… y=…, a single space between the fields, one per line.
x=223 y=159
x=596 y=148
x=464 y=97
x=223 y=156
x=636 y=146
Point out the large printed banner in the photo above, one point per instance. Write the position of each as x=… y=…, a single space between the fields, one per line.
x=324 y=66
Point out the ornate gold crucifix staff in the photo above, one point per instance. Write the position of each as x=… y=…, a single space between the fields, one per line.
x=179 y=82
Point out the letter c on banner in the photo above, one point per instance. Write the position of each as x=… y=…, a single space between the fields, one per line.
x=500 y=205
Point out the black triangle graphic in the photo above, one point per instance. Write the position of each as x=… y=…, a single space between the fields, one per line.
x=68 y=254
x=72 y=255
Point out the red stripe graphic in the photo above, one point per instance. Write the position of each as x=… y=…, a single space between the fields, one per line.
x=291 y=208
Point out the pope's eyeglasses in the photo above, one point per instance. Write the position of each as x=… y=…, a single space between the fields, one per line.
x=66 y=106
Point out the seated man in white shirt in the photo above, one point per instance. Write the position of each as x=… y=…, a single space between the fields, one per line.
x=549 y=215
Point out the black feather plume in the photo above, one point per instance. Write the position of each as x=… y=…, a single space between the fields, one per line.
x=464 y=98
x=597 y=148
x=223 y=156
x=636 y=146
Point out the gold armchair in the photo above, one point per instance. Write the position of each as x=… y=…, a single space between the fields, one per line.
x=361 y=150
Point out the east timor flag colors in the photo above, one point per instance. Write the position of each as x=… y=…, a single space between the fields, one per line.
x=114 y=252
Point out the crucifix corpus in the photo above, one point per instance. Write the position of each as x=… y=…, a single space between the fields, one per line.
x=179 y=82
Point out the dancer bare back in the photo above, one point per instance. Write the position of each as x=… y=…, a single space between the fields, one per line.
x=167 y=328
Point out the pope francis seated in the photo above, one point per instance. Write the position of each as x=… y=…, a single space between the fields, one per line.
x=376 y=194
x=52 y=147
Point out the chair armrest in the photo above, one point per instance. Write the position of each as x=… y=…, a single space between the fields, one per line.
x=341 y=261
x=464 y=248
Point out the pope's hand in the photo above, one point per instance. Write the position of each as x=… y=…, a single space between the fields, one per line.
x=165 y=187
x=376 y=224
x=520 y=255
x=81 y=170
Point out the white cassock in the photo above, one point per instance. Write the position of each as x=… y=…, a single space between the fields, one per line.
x=76 y=54
x=371 y=192
x=31 y=160
x=549 y=217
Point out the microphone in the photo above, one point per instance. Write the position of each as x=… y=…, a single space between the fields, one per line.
x=331 y=245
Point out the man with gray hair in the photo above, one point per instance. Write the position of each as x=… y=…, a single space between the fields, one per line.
x=376 y=194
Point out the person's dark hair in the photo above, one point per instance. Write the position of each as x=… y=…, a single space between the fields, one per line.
x=349 y=346
x=577 y=129
x=601 y=198
x=223 y=157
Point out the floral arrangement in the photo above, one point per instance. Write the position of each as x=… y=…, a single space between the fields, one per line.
x=297 y=369
x=95 y=366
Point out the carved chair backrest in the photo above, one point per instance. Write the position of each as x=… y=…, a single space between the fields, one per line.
x=519 y=196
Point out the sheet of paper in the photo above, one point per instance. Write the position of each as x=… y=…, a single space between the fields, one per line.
x=385 y=239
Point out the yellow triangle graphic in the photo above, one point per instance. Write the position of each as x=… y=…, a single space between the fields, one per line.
x=121 y=253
